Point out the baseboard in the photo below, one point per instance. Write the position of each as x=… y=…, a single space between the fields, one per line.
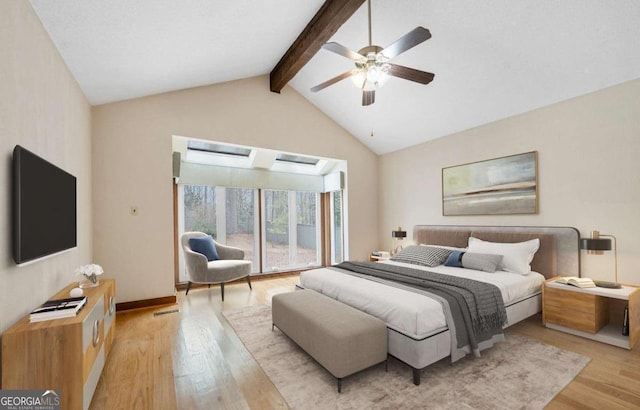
x=146 y=303
x=276 y=274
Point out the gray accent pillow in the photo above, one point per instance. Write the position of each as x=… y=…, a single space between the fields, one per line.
x=422 y=255
x=485 y=262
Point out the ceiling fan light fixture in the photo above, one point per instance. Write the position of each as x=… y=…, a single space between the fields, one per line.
x=381 y=59
x=359 y=78
x=369 y=86
x=371 y=76
x=378 y=74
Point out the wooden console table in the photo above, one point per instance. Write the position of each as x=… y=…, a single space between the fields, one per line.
x=63 y=354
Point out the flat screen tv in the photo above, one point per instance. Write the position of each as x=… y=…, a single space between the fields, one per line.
x=44 y=207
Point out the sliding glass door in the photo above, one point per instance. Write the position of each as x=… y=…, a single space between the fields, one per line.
x=336 y=230
x=291 y=230
x=290 y=226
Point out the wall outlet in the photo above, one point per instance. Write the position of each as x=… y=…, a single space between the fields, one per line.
x=134 y=210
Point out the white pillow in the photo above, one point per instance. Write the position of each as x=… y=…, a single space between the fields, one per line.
x=516 y=257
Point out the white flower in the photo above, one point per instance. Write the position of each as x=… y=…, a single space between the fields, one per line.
x=90 y=272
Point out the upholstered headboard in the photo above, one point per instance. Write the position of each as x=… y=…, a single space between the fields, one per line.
x=558 y=254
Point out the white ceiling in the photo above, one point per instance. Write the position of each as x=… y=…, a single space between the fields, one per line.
x=492 y=59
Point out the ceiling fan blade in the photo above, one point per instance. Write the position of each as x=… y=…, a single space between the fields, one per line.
x=404 y=43
x=343 y=51
x=333 y=80
x=368 y=97
x=410 y=74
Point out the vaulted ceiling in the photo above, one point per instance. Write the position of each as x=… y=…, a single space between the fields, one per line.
x=492 y=59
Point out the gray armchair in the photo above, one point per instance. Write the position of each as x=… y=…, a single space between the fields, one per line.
x=229 y=267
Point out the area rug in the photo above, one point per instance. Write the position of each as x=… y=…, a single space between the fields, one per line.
x=520 y=373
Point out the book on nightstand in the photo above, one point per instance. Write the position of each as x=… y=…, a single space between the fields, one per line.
x=576 y=281
x=58 y=309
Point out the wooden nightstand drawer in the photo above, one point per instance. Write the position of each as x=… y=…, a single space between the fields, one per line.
x=591 y=323
x=565 y=298
x=580 y=311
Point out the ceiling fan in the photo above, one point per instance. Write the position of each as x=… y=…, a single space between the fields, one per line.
x=372 y=63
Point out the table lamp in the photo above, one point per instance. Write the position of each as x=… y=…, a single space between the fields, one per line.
x=596 y=245
x=397 y=235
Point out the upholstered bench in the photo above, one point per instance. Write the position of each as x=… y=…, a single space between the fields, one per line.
x=342 y=339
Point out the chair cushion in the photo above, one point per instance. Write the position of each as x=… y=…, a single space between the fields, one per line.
x=205 y=246
x=224 y=270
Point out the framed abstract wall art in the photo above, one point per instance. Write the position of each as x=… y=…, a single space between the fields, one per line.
x=500 y=186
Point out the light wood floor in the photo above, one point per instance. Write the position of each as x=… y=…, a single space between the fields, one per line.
x=193 y=359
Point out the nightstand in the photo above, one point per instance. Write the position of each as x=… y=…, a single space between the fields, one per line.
x=378 y=258
x=593 y=313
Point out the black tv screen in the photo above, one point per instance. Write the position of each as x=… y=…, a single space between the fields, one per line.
x=44 y=207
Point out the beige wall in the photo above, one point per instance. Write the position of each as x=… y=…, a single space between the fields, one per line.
x=132 y=166
x=42 y=109
x=589 y=173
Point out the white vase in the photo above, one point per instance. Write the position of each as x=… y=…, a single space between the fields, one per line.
x=90 y=281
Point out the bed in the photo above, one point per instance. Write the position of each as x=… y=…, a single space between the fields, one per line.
x=419 y=326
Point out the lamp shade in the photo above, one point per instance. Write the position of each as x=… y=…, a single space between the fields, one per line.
x=599 y=244
x=399 y=234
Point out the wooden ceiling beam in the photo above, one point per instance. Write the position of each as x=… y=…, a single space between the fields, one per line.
x=331 y=16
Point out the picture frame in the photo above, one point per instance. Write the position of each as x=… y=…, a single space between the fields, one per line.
x=499 y=186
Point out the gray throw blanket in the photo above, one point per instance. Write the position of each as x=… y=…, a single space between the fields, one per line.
x=477 y=307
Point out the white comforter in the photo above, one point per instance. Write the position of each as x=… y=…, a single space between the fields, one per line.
x=408 y=312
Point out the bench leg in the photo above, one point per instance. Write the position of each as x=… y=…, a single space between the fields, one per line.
x=339 y=385
x=416 y=376
x=222 y=290
x=249 y=282
x=188 y=287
